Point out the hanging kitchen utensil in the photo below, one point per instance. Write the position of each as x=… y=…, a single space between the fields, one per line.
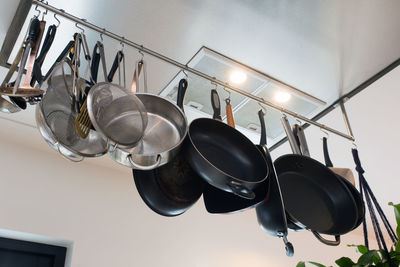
x=356 y=195
x=224 y=157
x=117 y=114
x=32 y=44
x=346 y=173
x=119 y=57
x=229 y=113
x=164 y=134
x=314 y=197
x=36 y=72
x=271 y=213
x=173 y=188
x=6 y=106
x=58 y=112
x=83 y=125
x=366 y=191
x=219 y=201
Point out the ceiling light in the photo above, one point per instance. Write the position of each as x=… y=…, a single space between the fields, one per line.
x=238 y=76
x=282 y=97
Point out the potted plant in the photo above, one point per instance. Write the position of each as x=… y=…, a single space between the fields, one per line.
x=373 y=258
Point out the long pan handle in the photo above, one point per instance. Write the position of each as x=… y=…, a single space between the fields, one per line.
x=263 y=136
x=289 y=134
x=303 y=141
x=335 y=242
x=216 y=105
x=328 y=162
x=183 y=84
x=229 y=113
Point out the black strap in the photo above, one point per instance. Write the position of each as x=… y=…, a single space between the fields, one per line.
x=371 y=200
x=328 y=162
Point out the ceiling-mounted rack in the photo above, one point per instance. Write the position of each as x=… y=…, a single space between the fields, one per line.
x=184 y=67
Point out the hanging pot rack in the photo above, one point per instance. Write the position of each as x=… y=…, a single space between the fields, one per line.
x=184 y=67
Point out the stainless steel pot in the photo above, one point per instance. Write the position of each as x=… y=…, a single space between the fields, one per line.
x=164 y=134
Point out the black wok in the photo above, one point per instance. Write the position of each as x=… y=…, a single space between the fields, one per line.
x=173 y=188
x=219 y=201
x=271 y=213
x=314 y=197
x=225 y=158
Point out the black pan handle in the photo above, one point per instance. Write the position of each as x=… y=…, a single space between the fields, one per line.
x=328 y=162
x=118 y=58
x=240 y=190
x=263 y=136
x=335 y=242
x=183 y=84
x=34 y=31
x=94 y=68
x=295 y=131
x=216 y=105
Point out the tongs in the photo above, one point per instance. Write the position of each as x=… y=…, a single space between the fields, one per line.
x=30 y=49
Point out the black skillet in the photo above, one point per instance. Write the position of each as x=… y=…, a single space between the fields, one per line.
x=173 y=188
x=314 y=197
x=224 y=157
x=271 y=213
x=353 y=190
x=219 y=201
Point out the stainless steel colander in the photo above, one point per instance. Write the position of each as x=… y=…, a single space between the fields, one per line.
x=56 y=116
x=117 y=114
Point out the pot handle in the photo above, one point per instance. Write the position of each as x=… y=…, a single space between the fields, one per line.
x=216 y=105
x=144 y=168
x=290 y=136
x=335 y=242
x=183 y=84
x=240 y=190
x=69 y=157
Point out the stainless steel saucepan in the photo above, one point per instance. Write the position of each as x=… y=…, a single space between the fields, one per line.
x=164 y=134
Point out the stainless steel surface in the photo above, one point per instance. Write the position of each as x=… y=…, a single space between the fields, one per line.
x=58 y=112
x=289 y=133
x=14 y=30
x=117 y=114
x=164 y=134
x=303 y=142
x=185 y=67
x=346 y=118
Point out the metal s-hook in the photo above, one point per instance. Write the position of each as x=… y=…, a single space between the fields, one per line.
x=59 y=22
x=122 y=44
x=141 y=52
x=228 y=99
x=264 y=110
x=38 y=10
x=101 y=34
x=80 y=28
x=325 y=132
x=45 y=12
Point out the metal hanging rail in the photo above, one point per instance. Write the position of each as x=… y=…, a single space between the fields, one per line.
x=181 y=66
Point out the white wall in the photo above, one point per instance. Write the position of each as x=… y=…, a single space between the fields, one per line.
x=95 y=203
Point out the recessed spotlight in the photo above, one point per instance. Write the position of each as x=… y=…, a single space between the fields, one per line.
x=238 y=77
x=282 y=96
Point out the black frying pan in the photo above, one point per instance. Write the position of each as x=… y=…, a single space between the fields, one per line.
x=352 y=189
x=224 y=157
x=219 y=201
x=271 y=213
x=173 y=188
x=314 y=196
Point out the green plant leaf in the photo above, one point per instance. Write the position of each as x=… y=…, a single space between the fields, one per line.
x=317 y=264
x=345 y=262
x=360 y=248
x=301 y=264
x=368 y=258
x=398 y=246
x=397 y=214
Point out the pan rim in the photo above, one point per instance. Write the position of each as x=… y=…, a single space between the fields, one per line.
x=218 y=169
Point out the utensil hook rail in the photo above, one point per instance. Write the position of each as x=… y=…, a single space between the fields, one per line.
x=184 y=67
